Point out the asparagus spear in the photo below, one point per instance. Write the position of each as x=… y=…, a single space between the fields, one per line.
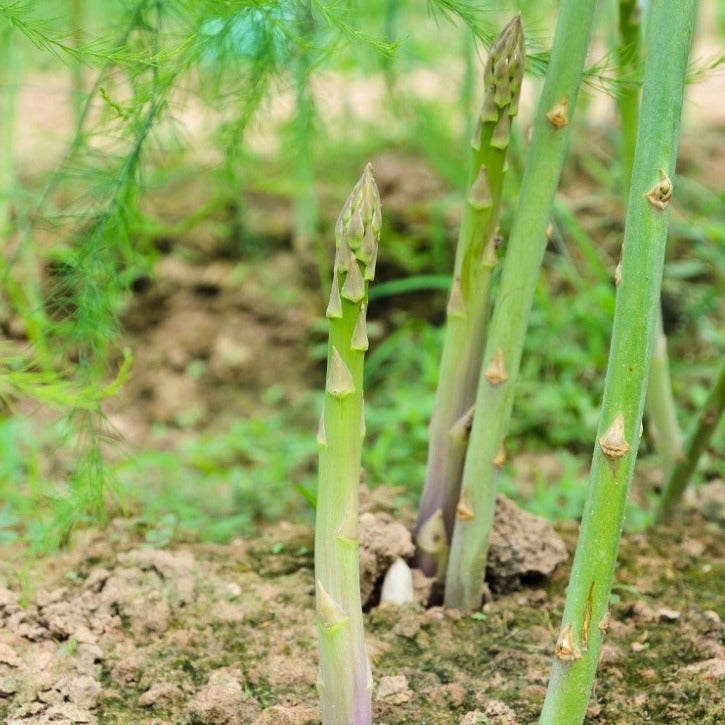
x=504 y=344
x=345 y=680
x=469 y=299
x=659 y=403
x=702 y=428
x=585 y=612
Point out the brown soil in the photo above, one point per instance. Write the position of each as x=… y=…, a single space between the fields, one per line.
x=114 y=631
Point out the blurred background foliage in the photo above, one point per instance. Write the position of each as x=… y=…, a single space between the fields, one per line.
x=142 y=131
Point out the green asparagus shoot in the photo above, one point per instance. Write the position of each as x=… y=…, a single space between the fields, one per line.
x=345 y=679
x=468 y=304
x=660 y=404
x=702 y=428
x=507 y=329
x=585 y=614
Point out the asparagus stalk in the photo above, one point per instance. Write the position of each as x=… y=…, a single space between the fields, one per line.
x=702 y=428
x=659 y=404
x=485 y=456
x=345 y=680
x=585 y=612
x=469 y=301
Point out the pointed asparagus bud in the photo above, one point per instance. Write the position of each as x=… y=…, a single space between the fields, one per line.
x=496 y=371
x=369 y=274
x=321 y=436
x=348 y=526
x=502 y=83
x=661 y=193
x=613 y=443
x=507 y=66
x=456 y=303
x=353 y=287
x=329 y=612
x=565 y=648
x=339 y=382
x=461 y=429
x=343 y=258
x=432 y=535
x=432 y=540
x=464 y=510
x=489 y=111
x=356 y=229
x=334 y=306
x=369 y=247
x=502 y=132
x=587 y=619
x=517 y=64
x=500 y=458
x=558 y=116
x=479 y=195
x=360 y=334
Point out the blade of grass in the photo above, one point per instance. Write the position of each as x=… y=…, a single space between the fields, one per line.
x=584 y=620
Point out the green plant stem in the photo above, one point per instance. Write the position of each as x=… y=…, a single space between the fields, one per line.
x=628 y=59
x=585 y=612
x=468 y=304
x=507 y=328
x=699 y=434
x=345 y=680
x=660 y=404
